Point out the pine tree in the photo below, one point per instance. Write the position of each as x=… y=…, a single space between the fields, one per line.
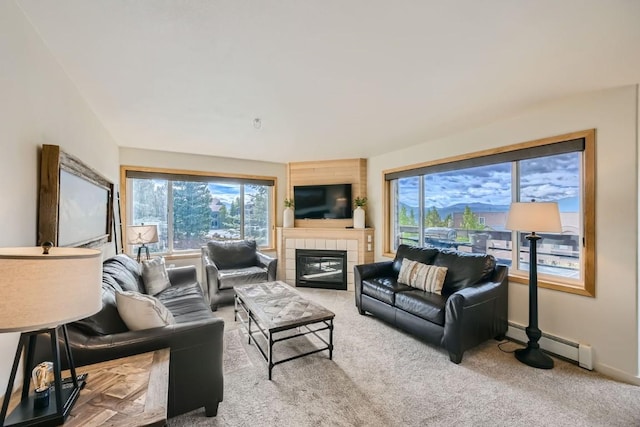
x=191 y=213
x=470 y=220
x=432 y=219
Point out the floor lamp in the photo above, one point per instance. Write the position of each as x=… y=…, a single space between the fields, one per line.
x=142 y=235
x=41 y=290
x=541 y=217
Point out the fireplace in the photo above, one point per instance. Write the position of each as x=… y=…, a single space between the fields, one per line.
x=321 y=269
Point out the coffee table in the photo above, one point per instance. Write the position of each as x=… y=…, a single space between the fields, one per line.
x=275 y=307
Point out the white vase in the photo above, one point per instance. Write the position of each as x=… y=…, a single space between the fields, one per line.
x=358 y=217
x=288 y=218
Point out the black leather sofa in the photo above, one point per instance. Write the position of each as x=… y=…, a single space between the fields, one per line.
x=196 y=340
x=226 y=264
x=471 y=309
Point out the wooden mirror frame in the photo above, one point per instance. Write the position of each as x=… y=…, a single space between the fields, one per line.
x=52 y=162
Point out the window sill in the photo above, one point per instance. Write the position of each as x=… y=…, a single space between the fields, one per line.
x=577 y=289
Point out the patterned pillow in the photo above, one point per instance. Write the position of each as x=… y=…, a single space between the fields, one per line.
x=140 y=311
x=429 y=278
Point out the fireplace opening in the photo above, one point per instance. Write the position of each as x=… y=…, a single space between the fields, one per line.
x=321 y=269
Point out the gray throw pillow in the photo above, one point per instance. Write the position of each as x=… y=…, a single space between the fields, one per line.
x=155 y=276
x=140 y=311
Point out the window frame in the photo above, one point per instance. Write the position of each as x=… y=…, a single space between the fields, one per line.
x=125 y=208
x=586 y=285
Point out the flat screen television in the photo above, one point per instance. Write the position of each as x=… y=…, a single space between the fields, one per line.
x=322 y=201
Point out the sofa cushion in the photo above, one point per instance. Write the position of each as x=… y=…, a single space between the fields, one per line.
x=428 y=278
x=426 y=305
x=140 y=311
x=383 y=288
x=422 y=255
x=125 y=271
x=233 y=254
x=106 y=321
x=185 y=302
x=464 y=269
x=241 y=276
x=154 y=276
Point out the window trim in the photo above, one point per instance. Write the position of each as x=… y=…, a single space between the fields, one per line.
x=150 y=171
x=587 y=286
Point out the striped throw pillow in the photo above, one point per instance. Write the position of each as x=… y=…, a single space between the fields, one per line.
x=429 y=278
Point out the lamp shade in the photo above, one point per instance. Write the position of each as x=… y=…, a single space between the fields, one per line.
x=39 y=291
x=142 y=234
x=534 y=216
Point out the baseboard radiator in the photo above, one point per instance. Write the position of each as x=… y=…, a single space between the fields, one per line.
x=582 y=354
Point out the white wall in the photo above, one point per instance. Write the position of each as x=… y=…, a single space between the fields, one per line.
x=39 y=105
x=607 y=322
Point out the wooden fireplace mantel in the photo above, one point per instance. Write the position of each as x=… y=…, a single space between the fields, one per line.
x=359 y=244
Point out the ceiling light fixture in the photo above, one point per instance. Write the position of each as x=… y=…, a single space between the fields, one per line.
x=257 y=123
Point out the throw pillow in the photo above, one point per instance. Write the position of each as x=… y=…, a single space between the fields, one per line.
x=429 y=278
x=155 y=276
x=140 y=311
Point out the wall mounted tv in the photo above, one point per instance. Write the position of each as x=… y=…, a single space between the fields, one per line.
x=322 y=201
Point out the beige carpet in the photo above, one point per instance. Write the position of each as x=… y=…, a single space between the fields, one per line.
x=381 y=376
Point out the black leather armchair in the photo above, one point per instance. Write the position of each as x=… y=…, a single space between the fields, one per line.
x=226 y=264
x=471 y=309
x=196 y=339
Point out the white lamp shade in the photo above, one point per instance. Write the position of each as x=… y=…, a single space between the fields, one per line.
x=40 y=291
x=142 y=234
x=534 y=217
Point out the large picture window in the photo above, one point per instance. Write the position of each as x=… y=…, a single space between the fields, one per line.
x=462 y=203
x=190 y=209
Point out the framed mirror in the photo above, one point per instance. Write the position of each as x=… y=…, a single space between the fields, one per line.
x=76 y=202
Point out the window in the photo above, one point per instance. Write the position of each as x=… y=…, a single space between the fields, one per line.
x=462 y=203
x=191 y=209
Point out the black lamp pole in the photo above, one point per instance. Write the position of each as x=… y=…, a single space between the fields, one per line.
x=532 y=355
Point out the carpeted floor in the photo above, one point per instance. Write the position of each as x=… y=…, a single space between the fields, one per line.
x=380 y=376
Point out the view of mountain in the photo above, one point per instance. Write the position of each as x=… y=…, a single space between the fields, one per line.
x=569 y=204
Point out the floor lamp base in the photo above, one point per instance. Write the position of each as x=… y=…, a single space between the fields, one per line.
x=534 y=357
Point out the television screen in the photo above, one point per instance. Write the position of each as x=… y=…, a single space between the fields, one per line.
x=322 y=201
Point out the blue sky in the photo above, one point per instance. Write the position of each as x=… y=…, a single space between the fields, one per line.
x=545 y=179
x=226 y=193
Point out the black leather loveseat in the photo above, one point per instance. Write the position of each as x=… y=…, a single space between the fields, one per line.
x=471 y=309
x=195 y=340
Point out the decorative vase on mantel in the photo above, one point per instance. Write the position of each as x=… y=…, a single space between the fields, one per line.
x=358 y=212
x=288 y=216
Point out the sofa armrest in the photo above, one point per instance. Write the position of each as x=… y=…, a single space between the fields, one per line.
x=477 y=313
x=88 y=349
x=369 y=271
x=210 y=277
x=182 y=275
x=270 y=263
x=376 y=269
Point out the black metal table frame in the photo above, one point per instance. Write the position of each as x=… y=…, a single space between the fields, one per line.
x=269 y=334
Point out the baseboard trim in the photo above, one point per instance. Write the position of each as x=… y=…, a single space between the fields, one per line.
x=556 y=346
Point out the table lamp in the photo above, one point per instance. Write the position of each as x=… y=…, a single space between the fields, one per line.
x=41 y=290
x=538 y=216
x=141 y=235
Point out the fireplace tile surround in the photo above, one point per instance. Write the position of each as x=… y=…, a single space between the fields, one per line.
x=358 y=243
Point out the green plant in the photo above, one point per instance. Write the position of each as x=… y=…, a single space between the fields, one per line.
x=288 y=203
x=360 y=201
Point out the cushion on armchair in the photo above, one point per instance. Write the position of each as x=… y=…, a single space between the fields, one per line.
x=233 y=254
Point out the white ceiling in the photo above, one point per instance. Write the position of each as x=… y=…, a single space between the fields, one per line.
x=332 y=78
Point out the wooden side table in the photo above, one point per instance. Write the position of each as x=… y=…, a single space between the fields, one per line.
x=131 y=391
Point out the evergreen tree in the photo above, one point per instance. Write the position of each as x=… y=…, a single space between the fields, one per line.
x=470 y=220
x=191 y=213
x=432 y=219
x=232 y=218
